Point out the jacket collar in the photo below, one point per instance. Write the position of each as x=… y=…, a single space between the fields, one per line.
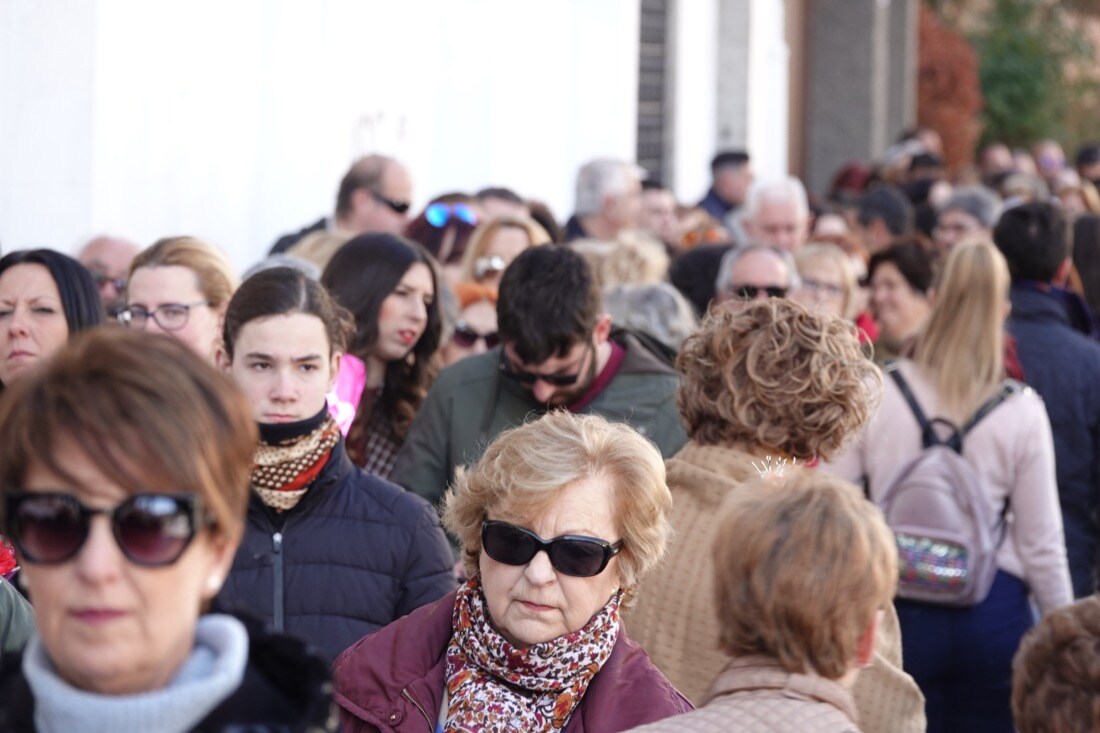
x=711 y=470
x=762 y=673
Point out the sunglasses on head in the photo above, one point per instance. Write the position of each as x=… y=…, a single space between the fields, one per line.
x=527 y=378
x=397 y=207
x=749 y=292
x=439 y=214
x=576 y=555
x=465 y=336
x=151 y=530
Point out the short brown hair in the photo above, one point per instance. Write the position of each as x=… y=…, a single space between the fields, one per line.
x=151 y=414
x=1056 y=672
x=801 y=568
x=216 y=278
x=774 y=374
x=524 y=469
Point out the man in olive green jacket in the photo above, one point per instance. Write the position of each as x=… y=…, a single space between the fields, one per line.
x=558 y=351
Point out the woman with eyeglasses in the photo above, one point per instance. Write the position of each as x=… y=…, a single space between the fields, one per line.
x=557 y=523
x=45 y=297
x=475 y=331
x=180 y=286
x=124 y=468
x=330 y=553
x=390 y=284
x=494 y=244
x=826 y=280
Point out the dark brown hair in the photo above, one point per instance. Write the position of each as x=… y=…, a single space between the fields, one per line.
x=150 y=414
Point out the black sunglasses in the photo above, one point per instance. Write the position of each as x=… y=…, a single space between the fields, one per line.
x=749 y=292
x=152 y=530
x=397 y=207
x=466 y=336
x=528 y=378
x=570 y=554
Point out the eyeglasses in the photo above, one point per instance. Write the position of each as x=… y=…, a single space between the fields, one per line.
x=102 y=278
x=152 y=530
x=749 y=292
x=397 y=207
x=822 y=289
x=465 y=336
x=522 y=376
x=170 y=316
x=486 y=265
x=439 y=214
x=570 y=554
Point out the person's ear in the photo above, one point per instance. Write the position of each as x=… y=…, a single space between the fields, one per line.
x=865 y=650
x=224 y=547
x=602 y=331
x=1061 y=275
x=221 y=357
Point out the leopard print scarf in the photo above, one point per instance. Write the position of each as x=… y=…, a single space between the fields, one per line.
x=283 y=471
x=493 y=686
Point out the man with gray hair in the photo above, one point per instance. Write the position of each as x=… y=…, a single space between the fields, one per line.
x=755 y=272
x=608 y=200
x=777 y=214
x=374 y=196
x=972 y=211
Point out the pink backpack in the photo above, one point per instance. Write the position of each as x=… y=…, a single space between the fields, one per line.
x=939 y=508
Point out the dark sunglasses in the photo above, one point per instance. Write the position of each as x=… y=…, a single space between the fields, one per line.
x=570 y=554
x=465 y=336
x=397 y=207
x=524 y=377
x=439 y=214
x=152 y=530
x=102 y=278
x=749 y=292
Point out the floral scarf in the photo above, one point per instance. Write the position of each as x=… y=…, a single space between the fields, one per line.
x=495 y=687
x=290 y=457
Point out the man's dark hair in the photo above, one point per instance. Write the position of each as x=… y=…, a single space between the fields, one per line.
x=1087 y=155
x=1034 y=240
x=888 y=203
x=728 y=158
x=549 y=301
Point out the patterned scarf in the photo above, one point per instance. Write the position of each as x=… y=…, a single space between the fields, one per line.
x=290 y=457
x=495 y=687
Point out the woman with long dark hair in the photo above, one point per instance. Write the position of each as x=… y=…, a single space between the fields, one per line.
x=391 y=286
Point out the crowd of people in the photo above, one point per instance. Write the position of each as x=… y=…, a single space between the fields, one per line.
x=765 y=461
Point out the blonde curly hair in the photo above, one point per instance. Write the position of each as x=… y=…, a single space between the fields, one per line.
x=773 y=374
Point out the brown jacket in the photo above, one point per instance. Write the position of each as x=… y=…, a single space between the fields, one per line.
x=675 y=618
x=756 y=695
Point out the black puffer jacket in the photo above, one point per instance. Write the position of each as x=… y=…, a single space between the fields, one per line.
x=286 y=689
x=356 y=553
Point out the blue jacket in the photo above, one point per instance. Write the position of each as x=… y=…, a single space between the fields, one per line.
x=356 y=553
x=1063 y=366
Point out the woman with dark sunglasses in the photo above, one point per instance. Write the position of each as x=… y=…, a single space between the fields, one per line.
x=557 y=523
x=475 y=331
x=124 y=471
x=330 y=553
x=391 y=286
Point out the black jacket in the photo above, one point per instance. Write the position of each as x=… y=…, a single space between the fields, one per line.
x=286 y=689
x=1062 y=364
x=356 y=553
x=285 y=242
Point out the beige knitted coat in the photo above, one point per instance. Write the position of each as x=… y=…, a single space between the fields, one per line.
x=675 y=618
x=755 y=695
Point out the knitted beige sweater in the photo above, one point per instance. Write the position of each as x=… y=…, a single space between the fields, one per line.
x=675 y=618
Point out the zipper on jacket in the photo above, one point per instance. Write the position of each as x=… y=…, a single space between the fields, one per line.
x=277 y=549
x=427 y=718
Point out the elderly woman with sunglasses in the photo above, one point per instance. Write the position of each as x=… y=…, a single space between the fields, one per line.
x=124 y=468
x=557 y=523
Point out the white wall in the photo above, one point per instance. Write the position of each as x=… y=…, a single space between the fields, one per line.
x=235 y=120
x=695 y=96
x=769 y=71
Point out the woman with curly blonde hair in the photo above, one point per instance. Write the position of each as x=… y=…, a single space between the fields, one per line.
x=761 y=384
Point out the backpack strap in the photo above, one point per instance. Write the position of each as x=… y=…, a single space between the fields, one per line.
x=1008 y=388
x=928 y=435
